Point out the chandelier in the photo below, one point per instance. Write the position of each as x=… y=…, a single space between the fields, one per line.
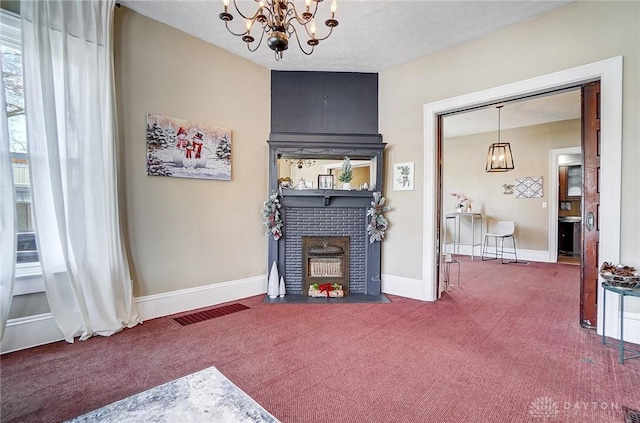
x=300 y=162
x=280 y=21
x=499 y=157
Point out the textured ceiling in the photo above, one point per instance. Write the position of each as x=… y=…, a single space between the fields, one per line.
x=377 y=35
x=515 y=114
x=372 y=35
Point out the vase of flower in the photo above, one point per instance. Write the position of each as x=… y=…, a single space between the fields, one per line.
x=460 y=200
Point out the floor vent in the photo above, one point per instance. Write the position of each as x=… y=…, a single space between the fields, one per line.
x=201 y=316
x=631 y=416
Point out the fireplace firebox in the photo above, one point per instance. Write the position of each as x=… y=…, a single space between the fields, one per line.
x=325 y=260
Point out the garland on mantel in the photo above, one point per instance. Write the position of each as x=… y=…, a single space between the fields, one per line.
x=273 y=219
x=378 y=223
x=376 y=228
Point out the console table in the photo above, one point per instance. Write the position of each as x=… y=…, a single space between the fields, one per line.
x=457 y=217
x=623 y=293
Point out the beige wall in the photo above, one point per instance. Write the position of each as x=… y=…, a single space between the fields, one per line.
x=464 y=173
x=184 y=233
x=162 y=70
x=574 y=35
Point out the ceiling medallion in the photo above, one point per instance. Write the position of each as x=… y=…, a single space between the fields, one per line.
x=280 y=21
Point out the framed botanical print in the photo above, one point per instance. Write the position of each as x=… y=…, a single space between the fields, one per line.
x=403 y=176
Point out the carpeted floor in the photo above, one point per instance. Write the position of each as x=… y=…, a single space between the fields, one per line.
x=505 y=346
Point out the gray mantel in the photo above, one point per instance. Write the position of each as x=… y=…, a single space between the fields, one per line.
x=320 y=146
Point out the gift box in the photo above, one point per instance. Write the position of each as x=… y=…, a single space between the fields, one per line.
x=326 y=290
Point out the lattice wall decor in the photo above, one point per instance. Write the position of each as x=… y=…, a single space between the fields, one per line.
x=529 y=187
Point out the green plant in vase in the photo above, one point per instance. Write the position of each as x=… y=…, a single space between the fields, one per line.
x=347 y=174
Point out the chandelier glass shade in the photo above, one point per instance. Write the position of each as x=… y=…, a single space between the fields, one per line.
x=499 y=157
x=280 y=21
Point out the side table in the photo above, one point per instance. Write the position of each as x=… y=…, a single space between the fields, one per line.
x=623 y=293
x=456 y=232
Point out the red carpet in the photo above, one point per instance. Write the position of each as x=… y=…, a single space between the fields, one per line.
x=504 y=347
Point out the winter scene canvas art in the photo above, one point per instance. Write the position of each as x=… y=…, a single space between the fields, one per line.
x=185 y=149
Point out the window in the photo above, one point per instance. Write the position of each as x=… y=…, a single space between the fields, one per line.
x=10 y=47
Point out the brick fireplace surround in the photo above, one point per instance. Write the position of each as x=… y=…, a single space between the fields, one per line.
x=315 y=212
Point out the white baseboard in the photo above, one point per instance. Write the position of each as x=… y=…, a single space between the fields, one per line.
x=404 y=287
x=31 y=331
x=41 y=329
x=631 y=324
x=523 y=254
x=632 y=327
x=158 y=305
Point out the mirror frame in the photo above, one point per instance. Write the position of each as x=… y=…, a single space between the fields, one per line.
x=332 y=149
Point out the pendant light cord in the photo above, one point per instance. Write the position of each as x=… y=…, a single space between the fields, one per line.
x=499 y=108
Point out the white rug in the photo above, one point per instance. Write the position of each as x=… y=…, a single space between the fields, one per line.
x=205 y=396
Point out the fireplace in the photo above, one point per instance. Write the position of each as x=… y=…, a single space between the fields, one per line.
x=320 y=118
x=325 y=266
x=329 y=223
x=313 y=217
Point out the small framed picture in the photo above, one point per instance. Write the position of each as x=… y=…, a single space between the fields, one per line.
x=325 y=181
x=403 y=176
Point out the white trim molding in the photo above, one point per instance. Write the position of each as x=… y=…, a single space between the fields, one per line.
x=41 y=329
x=403 y=287
x=609 y=72
x=167 y=303
x=30 y=331
x=10 y=29
x=523 y=253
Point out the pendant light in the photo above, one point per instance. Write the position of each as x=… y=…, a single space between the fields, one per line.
x=499 y=157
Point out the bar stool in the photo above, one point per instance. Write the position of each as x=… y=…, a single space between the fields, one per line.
x=503 y=230
x=447 y=261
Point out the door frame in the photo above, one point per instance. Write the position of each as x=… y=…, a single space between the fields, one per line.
x=609 y=72
x=553 y=197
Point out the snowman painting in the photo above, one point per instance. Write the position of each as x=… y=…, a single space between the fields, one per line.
x=201 y=161
x=184 y=149
x=192 y=151
x=181 y=146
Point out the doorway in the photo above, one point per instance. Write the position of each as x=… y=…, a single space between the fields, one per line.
x=565 y=211
x=527 y=195
x=609 y=72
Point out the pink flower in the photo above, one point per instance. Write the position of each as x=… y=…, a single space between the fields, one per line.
x=459 y=197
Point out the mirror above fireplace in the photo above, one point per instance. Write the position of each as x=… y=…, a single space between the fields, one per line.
x=304 y=172
x=295 y=156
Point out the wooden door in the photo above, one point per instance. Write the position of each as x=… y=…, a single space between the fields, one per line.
x=590 y=204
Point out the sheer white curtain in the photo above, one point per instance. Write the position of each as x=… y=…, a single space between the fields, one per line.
x=71 y=126
x=7 y=216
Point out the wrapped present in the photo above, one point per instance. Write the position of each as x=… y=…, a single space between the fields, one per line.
x=326 y=290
